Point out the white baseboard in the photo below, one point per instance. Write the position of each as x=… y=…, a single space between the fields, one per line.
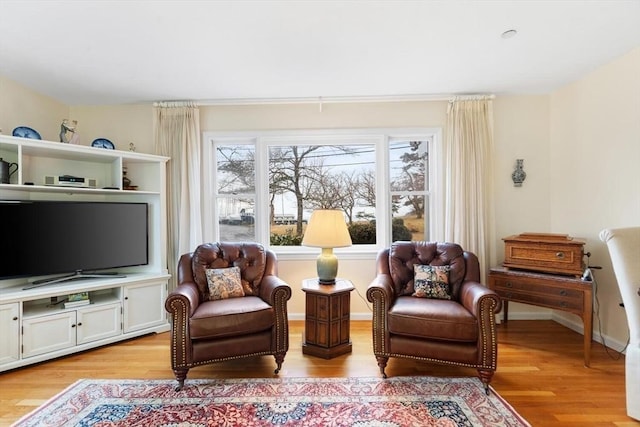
x=575 y=325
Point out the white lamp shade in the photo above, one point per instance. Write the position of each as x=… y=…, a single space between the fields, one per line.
x=327 y=229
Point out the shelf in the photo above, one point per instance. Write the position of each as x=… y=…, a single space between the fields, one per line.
x=45 y=306
x=72 y=190
x=38 y=159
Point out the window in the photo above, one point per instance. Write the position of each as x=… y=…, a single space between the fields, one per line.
x=265 y=185
x=306 y=177
x=409 y=189
x=235 y=191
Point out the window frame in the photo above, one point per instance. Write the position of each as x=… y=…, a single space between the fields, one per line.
x=379 y=137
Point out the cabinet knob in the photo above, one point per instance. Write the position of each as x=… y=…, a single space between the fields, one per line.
x=563 y=304
x=509 y=295
x=73 y=326
x=509 y=285
x=15 y=318
x=563 y=292
x=80 y=324
x=560 y=255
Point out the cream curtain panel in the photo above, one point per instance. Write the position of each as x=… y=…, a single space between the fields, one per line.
x=468 y=150
x=177 y=135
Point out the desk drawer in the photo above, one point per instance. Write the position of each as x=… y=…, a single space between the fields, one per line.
x=510 y=285
x=575 y=305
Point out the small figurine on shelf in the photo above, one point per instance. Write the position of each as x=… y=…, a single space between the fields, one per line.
x=75 y=137
x=126 y=182
x=132 y=146
x=65 y=127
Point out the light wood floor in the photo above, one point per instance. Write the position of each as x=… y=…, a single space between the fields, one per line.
x=540 y=372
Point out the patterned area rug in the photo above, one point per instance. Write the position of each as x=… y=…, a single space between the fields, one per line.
x=360 y=402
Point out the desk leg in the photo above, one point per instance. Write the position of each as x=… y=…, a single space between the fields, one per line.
x=587 y=320
x=505 y=310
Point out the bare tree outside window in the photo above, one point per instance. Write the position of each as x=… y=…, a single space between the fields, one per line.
x=235 y=195
x=307 y=177
x=317 y=171
x=409 y=185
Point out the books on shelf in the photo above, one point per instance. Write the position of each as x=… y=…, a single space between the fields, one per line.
x=80 y=296
x=77 y=300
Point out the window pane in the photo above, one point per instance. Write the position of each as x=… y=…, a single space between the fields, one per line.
x=307 y=177
x=409 y=218
x=235 y=169
x=236 y=219
x=408 y=165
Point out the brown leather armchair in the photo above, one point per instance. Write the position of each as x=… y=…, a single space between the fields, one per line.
x=204 y=331
x=460 y=331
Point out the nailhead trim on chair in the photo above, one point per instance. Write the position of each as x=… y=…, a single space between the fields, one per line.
x=179 y=325
x=180 y=328
x=379 y=322
x=222 y=359
x=282 y=328
x=487 y=304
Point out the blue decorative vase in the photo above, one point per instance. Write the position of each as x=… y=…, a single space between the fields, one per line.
x=518 y=176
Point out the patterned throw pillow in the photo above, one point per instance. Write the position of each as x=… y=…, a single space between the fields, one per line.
x=224 y=283
x=431 y=281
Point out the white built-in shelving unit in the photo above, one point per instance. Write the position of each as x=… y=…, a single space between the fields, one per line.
x=34 y=325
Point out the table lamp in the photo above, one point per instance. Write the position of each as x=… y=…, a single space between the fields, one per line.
x=327 y=229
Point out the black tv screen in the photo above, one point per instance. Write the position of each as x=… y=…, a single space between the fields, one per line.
x=45 y=238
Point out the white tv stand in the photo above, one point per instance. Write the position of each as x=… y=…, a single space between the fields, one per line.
x=34 y=325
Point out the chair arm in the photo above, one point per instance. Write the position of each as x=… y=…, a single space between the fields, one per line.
x=483 y=303
x=475 y=297
x=183 y=300
x=181 y=304
x=274 y=289
x=380 y=292
x=276 y=292
x=381 y=287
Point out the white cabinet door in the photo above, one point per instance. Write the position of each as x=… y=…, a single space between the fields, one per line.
x=98 y=322
x=49 y=333
x=10 y=333
x=143 y=306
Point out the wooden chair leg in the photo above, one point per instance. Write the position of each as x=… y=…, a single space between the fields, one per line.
x=279 y=360
x=382 y=364
x=485 y=376
x=181 y=376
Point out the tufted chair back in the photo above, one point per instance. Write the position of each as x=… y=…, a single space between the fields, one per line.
x=404 y=255
x=249 y=257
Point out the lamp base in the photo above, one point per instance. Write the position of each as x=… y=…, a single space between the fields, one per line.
x=327 y=265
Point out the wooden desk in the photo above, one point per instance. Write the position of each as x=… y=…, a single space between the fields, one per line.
x=327 y=313
x=566 y=293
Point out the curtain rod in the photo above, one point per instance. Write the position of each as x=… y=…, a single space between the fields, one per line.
x=337 y=99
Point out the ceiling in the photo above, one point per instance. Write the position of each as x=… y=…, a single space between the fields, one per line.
x=98 y=52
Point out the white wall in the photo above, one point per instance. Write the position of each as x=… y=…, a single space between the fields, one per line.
x=120 y=124
x=20 y=106
x=595 y=153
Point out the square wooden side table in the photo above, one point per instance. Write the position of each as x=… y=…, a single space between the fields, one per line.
x=327 y=313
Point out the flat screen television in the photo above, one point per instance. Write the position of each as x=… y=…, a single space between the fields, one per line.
x=73 y=239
